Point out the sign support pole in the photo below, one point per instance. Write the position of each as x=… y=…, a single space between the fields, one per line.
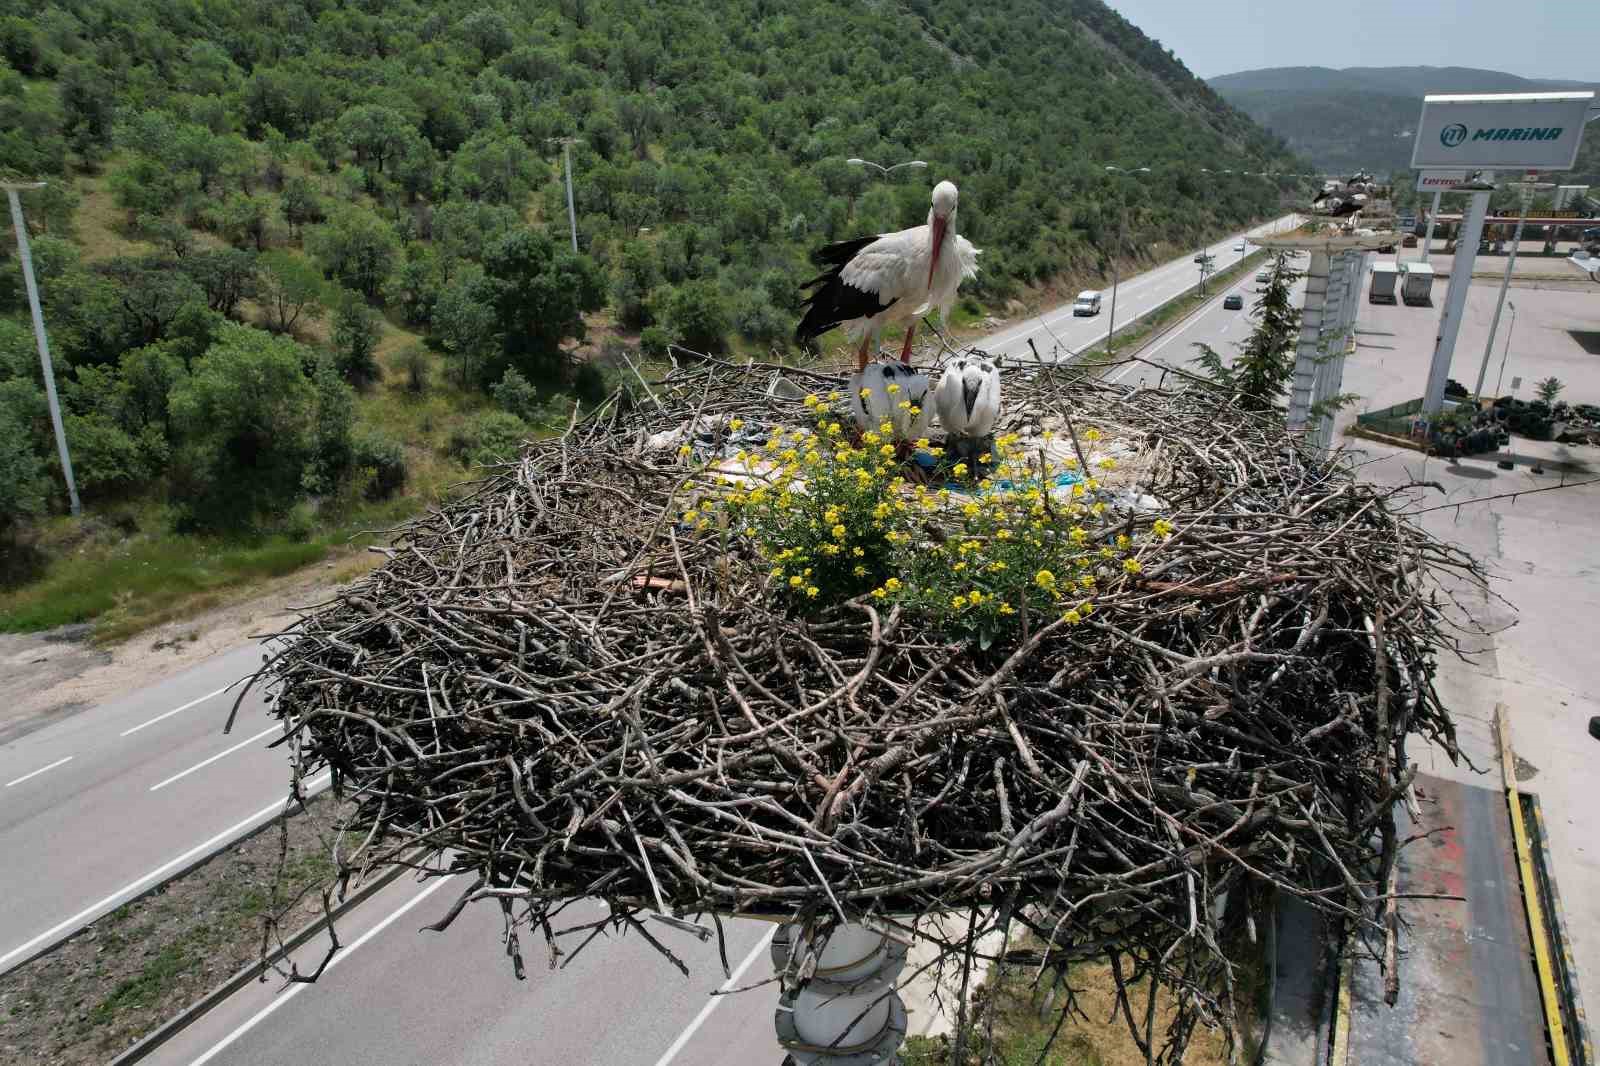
x=1427 y=242
x=1455 y=304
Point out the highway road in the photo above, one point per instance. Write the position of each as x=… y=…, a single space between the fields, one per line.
x=100 y=806
x=1057 y=333
x=397 y=996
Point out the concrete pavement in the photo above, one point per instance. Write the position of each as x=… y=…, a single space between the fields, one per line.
x=102 y=805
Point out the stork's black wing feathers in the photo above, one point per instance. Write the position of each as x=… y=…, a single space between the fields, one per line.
x=831 y=301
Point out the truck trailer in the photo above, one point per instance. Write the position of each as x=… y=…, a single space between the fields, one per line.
x=1384 y=275
x=1417 y=288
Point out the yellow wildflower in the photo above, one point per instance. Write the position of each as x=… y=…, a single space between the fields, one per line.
x=833 y=396
x=886 y=427
x=1045 y=579
x=690 y=515
x=893 y=584
x=959 y=469
x=1123 y=541
x=972 y=510
x=1131 y=566
x=958 y=601
x=878 y=592
x=1091 y=434
x=685 y=450
x=860 y=571
x=1003 y=534
x=922 y=442
x=736 y=425
x=1072 y=617
x=871 y=437
x=1162 y=528
x=887 y=449
x=812 y=590
x=865 y=393
x=891 y=388
x=777 y=571
x=838 y=532
x=812 y=401
x=796 y=581
x=1108 y=463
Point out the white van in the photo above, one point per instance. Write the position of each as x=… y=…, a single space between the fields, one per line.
x=1087 y=303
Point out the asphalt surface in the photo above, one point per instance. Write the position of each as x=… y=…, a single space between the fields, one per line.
x=99 y=806
x=396 y=996
x=1058 y=334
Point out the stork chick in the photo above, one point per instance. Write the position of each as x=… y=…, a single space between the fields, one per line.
x=968 y=402
x=893 y=393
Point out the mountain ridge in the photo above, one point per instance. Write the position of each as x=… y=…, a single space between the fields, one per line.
x=1362 y=117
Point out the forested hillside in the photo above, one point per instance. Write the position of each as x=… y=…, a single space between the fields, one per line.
x=292 y=250
x=1363 y=117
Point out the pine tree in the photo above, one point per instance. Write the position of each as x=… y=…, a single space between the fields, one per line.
x=1260 y=375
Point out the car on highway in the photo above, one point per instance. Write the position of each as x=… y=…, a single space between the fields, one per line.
x=1239 y=247
x=1087 y=303
x=1232 y=302
x=1263 y=274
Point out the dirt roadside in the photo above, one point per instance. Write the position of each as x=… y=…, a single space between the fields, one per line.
x=45 y=677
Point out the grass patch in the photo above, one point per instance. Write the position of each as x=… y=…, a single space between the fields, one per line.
x=1021 y=1019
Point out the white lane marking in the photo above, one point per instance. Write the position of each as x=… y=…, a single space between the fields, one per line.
x=711 y=1004
x=1060 y=315
x=1168 y=339
x=295 y=989
x=93 y=911
x=175 y=710
x=39 y=771
x=221 y=754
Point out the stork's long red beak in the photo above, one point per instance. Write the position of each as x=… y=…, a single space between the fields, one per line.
x=939 y=226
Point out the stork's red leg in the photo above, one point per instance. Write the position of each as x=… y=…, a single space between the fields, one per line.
x=905 y=349
x=861 y=356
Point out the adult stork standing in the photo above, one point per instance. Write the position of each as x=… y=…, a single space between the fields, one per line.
x=868 y=282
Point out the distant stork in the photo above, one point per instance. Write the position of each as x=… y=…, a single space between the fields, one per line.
x=869 y=282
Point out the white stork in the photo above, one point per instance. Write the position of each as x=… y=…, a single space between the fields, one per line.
x=968 y=401
x=869 y=282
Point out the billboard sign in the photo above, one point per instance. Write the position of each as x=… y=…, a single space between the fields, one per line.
x=1534 y=131
x=1440 y=180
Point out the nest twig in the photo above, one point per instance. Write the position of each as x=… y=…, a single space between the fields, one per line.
x=567 y=694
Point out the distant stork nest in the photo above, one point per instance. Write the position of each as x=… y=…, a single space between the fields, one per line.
x=556 y=687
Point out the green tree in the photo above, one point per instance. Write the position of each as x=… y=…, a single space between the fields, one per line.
x=300 y=203
x=464 y=324
x=374 y=133
x=697 y=316
x=291 y=291
x=24 y=487
x=357 y=248
x=247 y=417
x=225 y=275
x=540 y=293
x=1260 y=374
x=244 y=221
x=357 y=329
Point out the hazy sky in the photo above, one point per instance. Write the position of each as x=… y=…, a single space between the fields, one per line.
x=1533 y=38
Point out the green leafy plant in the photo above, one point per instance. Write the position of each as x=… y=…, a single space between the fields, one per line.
x=1009 y=548
x=1549 y=389
x=1260 y=375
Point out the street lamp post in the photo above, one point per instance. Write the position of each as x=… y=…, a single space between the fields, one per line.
x=881 y=169
x=566 y=144
x=1505 y=282
x=1507 y=352
x=26 y=255
x=1116 y=271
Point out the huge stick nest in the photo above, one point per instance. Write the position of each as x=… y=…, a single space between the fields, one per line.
x=566 y=693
